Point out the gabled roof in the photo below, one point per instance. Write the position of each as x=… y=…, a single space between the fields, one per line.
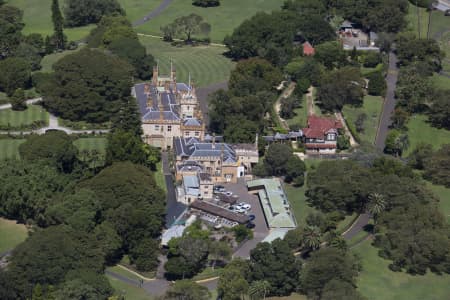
x=192 y=122
x=318 y=127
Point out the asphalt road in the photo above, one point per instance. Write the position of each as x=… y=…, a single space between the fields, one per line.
x=173 y=208
x=357 y=226
x=389 y=102
x=154 y=13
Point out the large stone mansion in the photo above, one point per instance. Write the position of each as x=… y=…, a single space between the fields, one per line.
x=168 y=109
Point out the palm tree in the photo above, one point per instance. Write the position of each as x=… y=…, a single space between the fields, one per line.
x=376 y=205
x=259 y=289
x=311 y=237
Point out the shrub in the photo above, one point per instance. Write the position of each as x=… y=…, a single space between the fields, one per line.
x=206 y=3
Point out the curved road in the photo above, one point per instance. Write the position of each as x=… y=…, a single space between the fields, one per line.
x=389 y=102
x=154 y=13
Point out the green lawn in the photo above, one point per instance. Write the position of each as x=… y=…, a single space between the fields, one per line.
x=37 y=18
x=443 y=194
x=137 y=9
x=130 y=292
x=420 y=131
x=377 y=282
x=300 y=116
x=159 y=177
x=223 y=19
x=415 y=14
x=299 y=206
x=11 y=234
x=91 y=143
x=123 y=272
x=293 y=296
x=372 y=107
x=23 y=119
x=206 y=64
x=9 y=148
x=208 y=273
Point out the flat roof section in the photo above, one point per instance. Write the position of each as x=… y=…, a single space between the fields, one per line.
x=274 y=202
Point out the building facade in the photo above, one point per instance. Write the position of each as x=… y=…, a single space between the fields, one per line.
x=321 y=135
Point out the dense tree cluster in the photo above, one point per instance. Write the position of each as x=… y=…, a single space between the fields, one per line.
x=280 y=161
x=186 y=27
x=436 y=165
x=83 y=12
x=340 y=87
x=88 y=85
x=402 y=202
x=271 y=36
x=239 y=113
x=116 y=34
x=189 y=254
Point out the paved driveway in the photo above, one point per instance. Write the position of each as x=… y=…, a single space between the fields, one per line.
x=389 y=102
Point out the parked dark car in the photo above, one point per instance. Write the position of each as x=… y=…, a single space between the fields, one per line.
x=250 y=225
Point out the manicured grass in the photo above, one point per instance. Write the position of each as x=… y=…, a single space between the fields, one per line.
x=48 y=60
x=223 y=19
x=206 y=64
x=159 y=177
x=11 y=234
x=412 y=17
x=25 y=118
x=208 y=273
x=300 y=116
x=443 y=194
x=299 y=206
x=123 y=272
x=91 y=143
x=128 y=291
x=37 y=17
x=137 y=9
x=372 y=107
x=377 y=282
x=9 y=148
x=421 y=131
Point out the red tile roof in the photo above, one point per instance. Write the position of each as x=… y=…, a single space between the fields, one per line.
x=308 y=49
x=319 y=126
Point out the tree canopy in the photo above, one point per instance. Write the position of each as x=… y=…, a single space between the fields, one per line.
x=83 y=12
x=88 y=85
x=56 y=147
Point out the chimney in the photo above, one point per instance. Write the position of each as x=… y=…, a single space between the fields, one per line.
x=155 y=75
x=214 y=141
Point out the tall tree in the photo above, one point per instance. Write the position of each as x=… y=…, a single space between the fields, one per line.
x=259 y=289
x=312 y=237
x=58 y=23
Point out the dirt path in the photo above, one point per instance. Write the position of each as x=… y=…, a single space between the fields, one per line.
x=353 y=142
x=310 y=101
x=277 y=106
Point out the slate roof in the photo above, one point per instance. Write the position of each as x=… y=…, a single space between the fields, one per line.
x=192 y=122
x=192 y=148
x=170 y=109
